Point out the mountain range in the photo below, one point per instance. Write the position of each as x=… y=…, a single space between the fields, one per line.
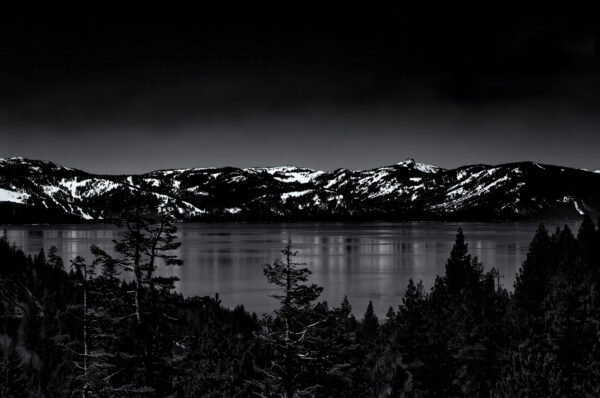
x=36 y=191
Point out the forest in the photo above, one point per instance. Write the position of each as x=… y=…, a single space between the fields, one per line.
x=114 y=327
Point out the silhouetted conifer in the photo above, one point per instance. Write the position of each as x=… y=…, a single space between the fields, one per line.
x=370 y=323
x=532 y=281
x=291 y=334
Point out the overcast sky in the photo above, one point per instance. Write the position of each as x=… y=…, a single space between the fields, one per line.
x=136 y=89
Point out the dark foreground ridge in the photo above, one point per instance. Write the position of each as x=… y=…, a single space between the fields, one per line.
x=33 y=191
x=80 y=330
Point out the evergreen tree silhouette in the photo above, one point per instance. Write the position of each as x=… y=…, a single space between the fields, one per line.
x=370 y=322
x=291 y=335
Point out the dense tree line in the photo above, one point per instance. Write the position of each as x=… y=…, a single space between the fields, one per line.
x=115 y=328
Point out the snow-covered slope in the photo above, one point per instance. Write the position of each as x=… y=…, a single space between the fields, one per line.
x=40 y=191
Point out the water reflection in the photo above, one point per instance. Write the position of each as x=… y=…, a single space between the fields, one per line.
x=365 y=261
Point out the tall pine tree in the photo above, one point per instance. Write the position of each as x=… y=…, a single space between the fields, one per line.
x=291 y=334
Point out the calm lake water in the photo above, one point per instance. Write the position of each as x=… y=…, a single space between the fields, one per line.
x=365 y=261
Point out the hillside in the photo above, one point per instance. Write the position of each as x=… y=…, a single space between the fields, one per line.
x=34 y=191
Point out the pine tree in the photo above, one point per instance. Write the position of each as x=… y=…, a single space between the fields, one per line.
x=88 y=357
x=150 y=238
x=457 y=347
x=390 y=315
x=109 y=267
x=532 y=281
x=462 y=271
x=458 y=262
x=403 y=370
x=370 y=322
x=588 y=241
x=291 y=334
x=412 y=344
x=54 y=260
x=140 y=336
x=349 y=321
x=411 y=320
x=84 y=274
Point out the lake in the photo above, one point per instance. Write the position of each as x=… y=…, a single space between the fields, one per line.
x=365 y=261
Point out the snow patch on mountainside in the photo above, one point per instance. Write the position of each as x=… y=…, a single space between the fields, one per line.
x=11 y=196
x=235 y=179
x=197 y=191
x=295 y=194
x=83 y=188
x=422 y=167
x=289 y=174
x=152 y=182
x=73 y=186
x=569 y=199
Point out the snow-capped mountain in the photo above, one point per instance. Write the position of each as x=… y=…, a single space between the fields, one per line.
x=41 y=191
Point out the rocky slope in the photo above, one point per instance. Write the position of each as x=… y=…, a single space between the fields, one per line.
x=41 y=191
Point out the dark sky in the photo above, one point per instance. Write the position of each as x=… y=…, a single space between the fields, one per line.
x=352 y=84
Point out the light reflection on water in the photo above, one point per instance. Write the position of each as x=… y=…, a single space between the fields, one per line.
x=366 y=261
